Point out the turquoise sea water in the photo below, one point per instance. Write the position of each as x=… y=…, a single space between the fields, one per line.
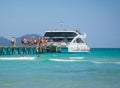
x=99 y=68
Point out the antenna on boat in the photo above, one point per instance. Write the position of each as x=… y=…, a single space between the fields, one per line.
x=61 y=25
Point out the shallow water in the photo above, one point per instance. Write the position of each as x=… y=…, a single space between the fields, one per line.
x=99 y=68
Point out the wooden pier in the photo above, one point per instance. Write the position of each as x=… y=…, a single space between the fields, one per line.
x=27 y=50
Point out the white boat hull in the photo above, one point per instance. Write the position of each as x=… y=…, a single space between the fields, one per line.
x=75 y=46
x=78 y=49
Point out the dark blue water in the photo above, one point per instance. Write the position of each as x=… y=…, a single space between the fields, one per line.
x=99 y=68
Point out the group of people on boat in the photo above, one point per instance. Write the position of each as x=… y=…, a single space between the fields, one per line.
x=33 y=41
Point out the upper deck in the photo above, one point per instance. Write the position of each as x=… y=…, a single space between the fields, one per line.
x=61 y=33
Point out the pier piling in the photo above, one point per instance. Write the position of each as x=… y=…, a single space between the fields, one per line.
x=27 y=50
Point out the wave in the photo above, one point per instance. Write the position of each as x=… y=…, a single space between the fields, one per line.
x=98 y=62
x=66 y=60
x=70 y=59
x=81 y=60
x=17 y=58
x=117 y=62
x=63 y=60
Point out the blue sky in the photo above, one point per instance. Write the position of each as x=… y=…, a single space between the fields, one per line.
x=100 y=19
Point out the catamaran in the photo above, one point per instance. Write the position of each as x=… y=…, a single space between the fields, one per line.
x=71 y=39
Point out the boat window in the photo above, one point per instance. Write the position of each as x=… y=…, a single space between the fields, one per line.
x=74 y=41
x=60 y=34
x=57 y=39
x=69 y=39
x=79 y=40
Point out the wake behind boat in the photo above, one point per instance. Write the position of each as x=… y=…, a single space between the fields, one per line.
x=73 y=40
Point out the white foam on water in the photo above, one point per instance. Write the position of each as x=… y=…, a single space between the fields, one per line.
x=79 y=58
x=98 y=62
x=117 y=63
x=17 y=58
x=62 y=60
x=66 y=60
x=82 y=60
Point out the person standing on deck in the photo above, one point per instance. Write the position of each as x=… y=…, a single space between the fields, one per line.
x=13 y=41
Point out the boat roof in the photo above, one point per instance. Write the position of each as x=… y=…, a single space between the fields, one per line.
x=62 y=31
x=73 y=31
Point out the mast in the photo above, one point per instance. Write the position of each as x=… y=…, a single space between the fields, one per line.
x=61 y=25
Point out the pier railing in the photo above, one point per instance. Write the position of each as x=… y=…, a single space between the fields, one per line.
x=27 y=50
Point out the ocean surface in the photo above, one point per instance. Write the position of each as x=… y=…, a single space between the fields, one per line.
x=99 y=68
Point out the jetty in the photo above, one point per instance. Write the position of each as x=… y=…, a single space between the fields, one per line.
x=28 y=50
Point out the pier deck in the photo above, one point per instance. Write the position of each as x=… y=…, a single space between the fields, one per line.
x=27 y=50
